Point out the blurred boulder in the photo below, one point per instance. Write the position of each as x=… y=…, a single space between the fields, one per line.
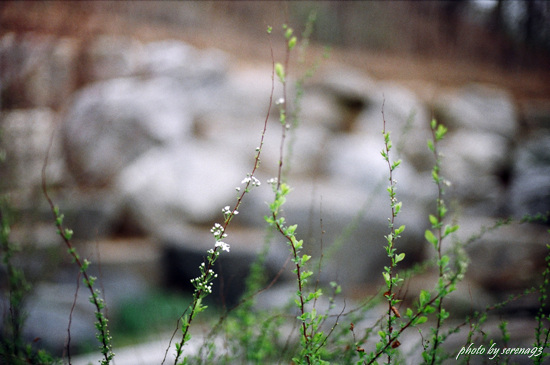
x=504 y=260
x=530 y=187
x=473 y=162
x=480 y=108
x=184 y=63
x=319 y=108
x=348 y=91
x=169 y=187
x=356 y=158
x=111 y=123
x=346 y=222
x=406 y=119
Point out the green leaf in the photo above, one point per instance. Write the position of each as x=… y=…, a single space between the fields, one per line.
x=396 y=164
x=400 y=230
x=444 y=261
x=420 y=320
x=435 y=176
x=399 y=257
x=290 y=230
x=434 y=221
x=450 y=229
x=292 y=42
x=386 y=277
x=429 y=309
x=430 y=237
x=68 y=233
x=398 y=207
x=280 y=72
x=430 y=145
x=288 y=33
x=440 y=132
x=424 y=297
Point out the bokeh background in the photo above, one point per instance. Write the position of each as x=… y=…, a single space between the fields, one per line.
x=154 y=110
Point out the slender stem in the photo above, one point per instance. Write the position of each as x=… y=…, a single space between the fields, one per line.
x=88 y=281
x=440 y=216
x=213 y=255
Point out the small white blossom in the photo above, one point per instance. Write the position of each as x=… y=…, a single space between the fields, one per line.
x=224 y=246
x=252 y=179
x=280 y=101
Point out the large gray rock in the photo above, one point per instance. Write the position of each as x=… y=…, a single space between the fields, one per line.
x=169 y=187
x=354 y=222
x=111 y=123
x=180 y=61
x=480 y=108
x=406 y=118
x=357 y=158
x=473 y=162
x=506 y=259
x=347 y=91
x=530 y=188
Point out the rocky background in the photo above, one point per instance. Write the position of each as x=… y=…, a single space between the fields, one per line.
x=154 y=110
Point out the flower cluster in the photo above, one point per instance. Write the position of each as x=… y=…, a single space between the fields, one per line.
x=252 y=180
x=224 y=246
x=204 y=282
x=227 y=212
x=217 y=231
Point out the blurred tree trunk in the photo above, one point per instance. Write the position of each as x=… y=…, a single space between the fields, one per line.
x=496 y=22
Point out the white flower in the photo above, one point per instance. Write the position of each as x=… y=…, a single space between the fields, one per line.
x=252 y=179
x=280 y=101
x=226 y=210
x=224 y=246
x=255 y=182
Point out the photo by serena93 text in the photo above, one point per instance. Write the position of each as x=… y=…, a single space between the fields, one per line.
x=495 y=351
